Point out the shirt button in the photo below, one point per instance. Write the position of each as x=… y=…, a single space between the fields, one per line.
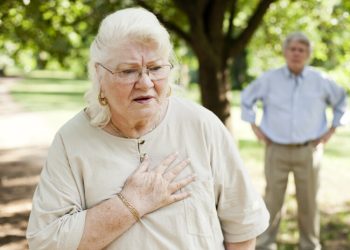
x=142 y=157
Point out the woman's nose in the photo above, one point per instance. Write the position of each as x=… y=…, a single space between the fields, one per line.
x=144 y=79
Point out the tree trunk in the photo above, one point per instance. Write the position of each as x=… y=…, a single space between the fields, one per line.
x=2 y=71
x=215 y=91
x=239 y=70
x=41 y=64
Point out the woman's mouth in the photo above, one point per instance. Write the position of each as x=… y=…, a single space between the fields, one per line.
x=143 y=99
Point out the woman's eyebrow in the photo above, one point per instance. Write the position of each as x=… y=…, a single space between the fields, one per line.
x=128 y=65
x=131 y=64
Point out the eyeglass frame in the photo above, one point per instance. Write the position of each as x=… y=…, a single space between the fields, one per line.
x=139 y=71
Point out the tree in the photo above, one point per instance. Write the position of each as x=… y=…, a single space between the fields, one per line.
x=217 y=31
x=49 y=31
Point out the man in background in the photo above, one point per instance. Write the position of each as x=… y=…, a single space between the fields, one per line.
x=294 y=129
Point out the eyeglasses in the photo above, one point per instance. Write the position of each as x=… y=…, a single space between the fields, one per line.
x=132 y=75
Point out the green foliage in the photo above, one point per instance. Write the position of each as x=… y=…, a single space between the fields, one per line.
x=40 y=32
x=57 y=34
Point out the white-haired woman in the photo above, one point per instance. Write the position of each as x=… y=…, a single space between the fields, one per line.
x=120 y=174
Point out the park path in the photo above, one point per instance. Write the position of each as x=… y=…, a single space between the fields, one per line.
x=18 y=128
x=24 y=138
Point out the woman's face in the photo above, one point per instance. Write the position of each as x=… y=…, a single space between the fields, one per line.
x=139 y=99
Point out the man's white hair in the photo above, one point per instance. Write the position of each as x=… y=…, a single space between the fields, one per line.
x=127 y=25
x=299 y=37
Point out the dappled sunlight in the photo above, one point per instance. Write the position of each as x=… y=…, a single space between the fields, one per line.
x=13 y=223
x=15 y=243
x=24 y=140
x=20 y=181
x=19 y=175
x=16 y=207
x=26 y=129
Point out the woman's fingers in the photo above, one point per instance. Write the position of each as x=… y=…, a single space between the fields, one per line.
x=174 y=172
x=158 y=187
x=175 y=186
x=179 y=196
x=165 y=163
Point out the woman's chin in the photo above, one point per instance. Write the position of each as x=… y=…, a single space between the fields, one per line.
x=146 y=112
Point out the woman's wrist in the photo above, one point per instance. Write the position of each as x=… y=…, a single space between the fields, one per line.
x=129 y=206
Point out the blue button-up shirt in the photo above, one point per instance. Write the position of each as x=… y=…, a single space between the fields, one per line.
x=294 y=107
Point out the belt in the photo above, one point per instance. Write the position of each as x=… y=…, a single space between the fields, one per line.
x=294 y=145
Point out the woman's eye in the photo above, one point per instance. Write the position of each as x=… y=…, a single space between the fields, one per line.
x=155 y=68
x=129 y=71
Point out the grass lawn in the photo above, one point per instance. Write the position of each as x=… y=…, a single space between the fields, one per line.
x=52 y=95
x=49 y=94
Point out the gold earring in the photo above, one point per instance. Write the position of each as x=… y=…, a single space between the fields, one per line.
x=102 y=100
x=169 y=92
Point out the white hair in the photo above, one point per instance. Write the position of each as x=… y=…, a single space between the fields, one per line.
x=127 y=25
x=299 y=37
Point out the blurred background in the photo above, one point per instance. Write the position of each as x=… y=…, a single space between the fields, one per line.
x=221 y=46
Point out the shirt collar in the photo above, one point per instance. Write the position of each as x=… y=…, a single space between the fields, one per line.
x=289 y=74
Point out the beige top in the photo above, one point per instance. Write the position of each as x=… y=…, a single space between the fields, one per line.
x=86 y=166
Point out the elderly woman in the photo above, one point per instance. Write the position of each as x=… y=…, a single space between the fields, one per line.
x=120 y=174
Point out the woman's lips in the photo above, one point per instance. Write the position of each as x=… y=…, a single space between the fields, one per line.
x=143 y=99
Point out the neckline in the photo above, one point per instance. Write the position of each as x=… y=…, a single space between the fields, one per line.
x=119 y=133
x=289 y=73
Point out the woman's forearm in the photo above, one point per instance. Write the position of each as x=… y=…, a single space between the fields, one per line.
x=104 y=223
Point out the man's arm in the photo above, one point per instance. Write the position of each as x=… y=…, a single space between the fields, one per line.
x=336 y=98
x=259 y=134
x=244 y=245
x=249 y=96
x=325 y=138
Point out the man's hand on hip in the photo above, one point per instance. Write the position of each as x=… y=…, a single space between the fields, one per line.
x=260 y=135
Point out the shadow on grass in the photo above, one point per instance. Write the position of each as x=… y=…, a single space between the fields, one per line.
x=335 y=229
x=19 y=171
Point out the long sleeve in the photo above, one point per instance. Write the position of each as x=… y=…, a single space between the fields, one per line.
x=58 y=217
x=336 y=97
x=250 y=95
x=241 y=210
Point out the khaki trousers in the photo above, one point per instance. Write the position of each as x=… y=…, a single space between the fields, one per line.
x=304 y=162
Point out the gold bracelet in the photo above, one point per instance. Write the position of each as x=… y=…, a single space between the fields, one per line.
x=131 y=208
